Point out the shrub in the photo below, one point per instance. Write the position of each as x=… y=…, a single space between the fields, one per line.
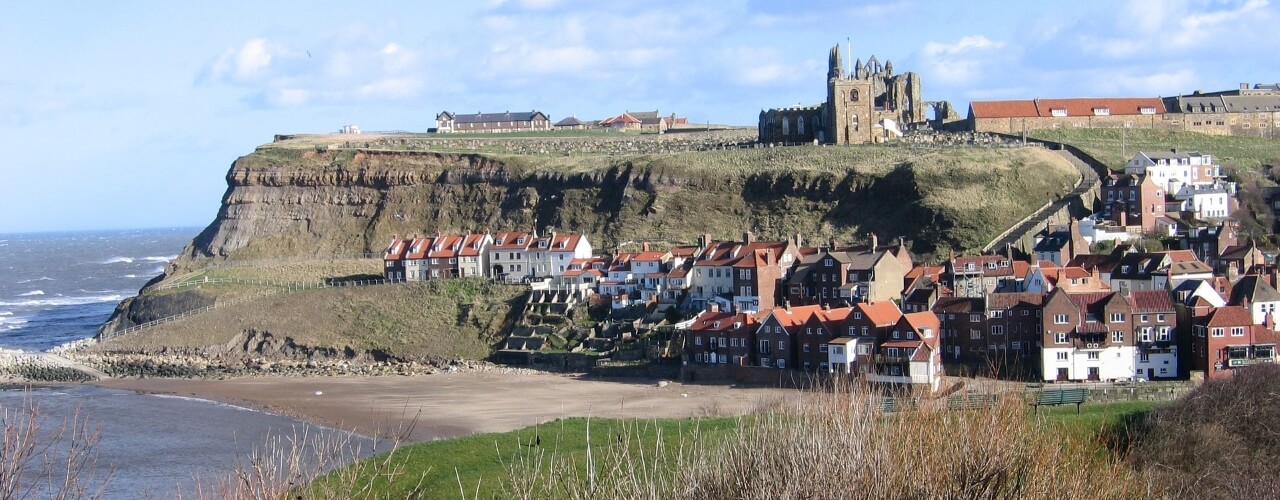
x=1222 y=440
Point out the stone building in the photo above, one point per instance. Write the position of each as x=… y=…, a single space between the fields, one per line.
x=871 y=104
x=1017 y=116
x=1246 y=111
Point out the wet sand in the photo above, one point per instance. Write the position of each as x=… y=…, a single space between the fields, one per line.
x=454 y=404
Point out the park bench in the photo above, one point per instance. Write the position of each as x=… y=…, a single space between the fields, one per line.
x=891 y=404
x=1054 y=397
x=971 y=401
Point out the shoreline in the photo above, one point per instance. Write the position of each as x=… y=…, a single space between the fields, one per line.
x=448 y=405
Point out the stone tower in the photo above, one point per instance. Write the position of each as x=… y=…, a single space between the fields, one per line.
x=849 y=104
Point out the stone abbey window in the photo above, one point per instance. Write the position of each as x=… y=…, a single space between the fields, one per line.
x=800 y=125
x=853 y=95
x=786 y=126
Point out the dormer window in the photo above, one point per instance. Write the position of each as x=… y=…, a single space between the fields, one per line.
x=969 y=267
x=1058 y=111
x=501 y=240
x=520 y=241
x=1147 y=110
x=1101 y=111
x=1004 y=263
x=542 y=243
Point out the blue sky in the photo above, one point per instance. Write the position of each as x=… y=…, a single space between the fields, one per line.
x=128 y=115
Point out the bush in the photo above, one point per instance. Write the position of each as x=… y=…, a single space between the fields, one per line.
x=1222 y=440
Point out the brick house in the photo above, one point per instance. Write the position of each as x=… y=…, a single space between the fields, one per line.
x=717 y=337
x=1013 y=331
x=1059 y=245
x=963 y=328
x=443 y=256
x=1254 y=293
x=838 y=276
x=1087 y=336
x=821 y=327
x=864 y=326
x=1132 y=200
x=978 y=275
x=909 y=355
x=743 y=274
x=776 y=343
x=1227 y=339
x=1209 y=242
x=1238 y=260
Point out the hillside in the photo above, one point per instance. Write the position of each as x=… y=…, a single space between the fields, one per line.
x=420 y=321
x=299 y=198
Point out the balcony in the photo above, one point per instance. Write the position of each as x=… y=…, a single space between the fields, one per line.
x=889 y=360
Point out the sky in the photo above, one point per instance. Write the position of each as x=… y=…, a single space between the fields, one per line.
x=128 y=115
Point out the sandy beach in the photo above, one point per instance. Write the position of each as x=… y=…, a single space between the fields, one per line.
x=454 y=404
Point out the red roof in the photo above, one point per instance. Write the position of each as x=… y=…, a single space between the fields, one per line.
x=1151 y=301
x=396 y=249
x=472 y=243
x=882 y=313
x=1230 y=316
x=1081 y=106
x=418 y=249
x=795 y=316
x=443 y=247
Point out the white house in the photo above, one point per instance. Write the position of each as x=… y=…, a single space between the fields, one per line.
x=1171 y=170
x=1204 y=201
x=1254 y=293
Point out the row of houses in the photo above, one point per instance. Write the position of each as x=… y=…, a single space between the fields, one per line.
x=1250 y=110
x=512 y=256
x=532 y=121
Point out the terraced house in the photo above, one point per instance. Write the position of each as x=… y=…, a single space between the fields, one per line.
x=910 y=354
x=1087 y=336
x=836 y=276
x=743 y=275
x=1227 y=339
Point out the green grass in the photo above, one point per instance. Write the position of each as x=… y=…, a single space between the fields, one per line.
x=461 y=467
x=1094 y=417
x=1114 y=147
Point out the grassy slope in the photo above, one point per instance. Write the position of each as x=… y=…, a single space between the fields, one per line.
x=410 y=320
x=1109 y=145
x=487 y=459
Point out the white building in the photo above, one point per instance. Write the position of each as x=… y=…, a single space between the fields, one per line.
x=1171 y=170
x=1204 y=201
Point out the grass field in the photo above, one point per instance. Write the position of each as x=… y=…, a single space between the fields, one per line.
x=551 y=459
x=1114 y=147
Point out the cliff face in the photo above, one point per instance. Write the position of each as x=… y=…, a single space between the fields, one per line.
x=297 y=202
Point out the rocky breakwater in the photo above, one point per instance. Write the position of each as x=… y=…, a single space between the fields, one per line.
x=17 y=365
x=256 y=353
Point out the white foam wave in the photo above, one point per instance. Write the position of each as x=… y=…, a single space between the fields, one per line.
x=32 y=293
x=158 y=270
x=65 y=301
x=131 y=276
x=42 y=278
x=159 y=259
x=118 y=260
x=6 y=313
x=212 y=402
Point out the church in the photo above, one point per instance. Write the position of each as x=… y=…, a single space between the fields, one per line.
x=869 y=105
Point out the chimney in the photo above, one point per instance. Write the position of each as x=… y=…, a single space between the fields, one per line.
x=1270 y=321
x=799 y=240
x=875 y=242
x=826 y=306
x=715 y=307
x=704 y=240
x=644 y=247
x=1244 y=86
x=747 y=237
x=768 y=257
x=786 y=304
x=832 y=244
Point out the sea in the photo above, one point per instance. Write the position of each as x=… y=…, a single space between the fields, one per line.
x=60 y=287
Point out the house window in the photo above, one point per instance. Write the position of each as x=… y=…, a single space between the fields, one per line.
x=896 y=334
x=764 y=348
x=997 y=314
x=895 y=370
x=1062 y=355
x=1117 y=337
x=782 y=363
x=1237 y=331
x=1059 y=319
x=1160 y=318
x=1058 y=112
x=891 y=352
x=697 y=341
x=975 y=334
x=1144 y=334
x=974 y=318
x=1145 y=318
x=1218 y=332
x=1163 y=334
x=1017 y=346
x=781 y=346
x=1093 y=355
x=823 y=348
x=1101 y=111
x=1117 y=317
x=806 y=348
x=1060 y=338
x=997 y=330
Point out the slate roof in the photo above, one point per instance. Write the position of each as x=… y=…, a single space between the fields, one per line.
x=519 y=116
x=1151 y=301
x=1255 y=289
x=571 y=121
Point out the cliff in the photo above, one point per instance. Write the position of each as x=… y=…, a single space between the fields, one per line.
x=302 y=200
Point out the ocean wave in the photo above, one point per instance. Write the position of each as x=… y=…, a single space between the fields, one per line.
x=65 y=301
x=42 y=278
x=158 y=270
x=6 y=313
x=32 y=293
x=118 y=260
x=131 y=276
x=212 y=402
x=158 y=259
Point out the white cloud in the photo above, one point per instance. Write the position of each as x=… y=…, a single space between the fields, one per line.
x=961 y=62
x=1148 y=27
x=245 y=63
x=354 y=65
